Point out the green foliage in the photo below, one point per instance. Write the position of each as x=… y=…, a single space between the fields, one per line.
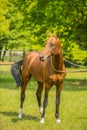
x=24 y=24
x=74 y=53
x=4 y=23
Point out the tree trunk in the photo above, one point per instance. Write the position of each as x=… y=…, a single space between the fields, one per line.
x=0 y=53
x=4 y=53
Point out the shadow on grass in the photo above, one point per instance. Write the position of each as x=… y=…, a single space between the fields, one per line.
x=5 y=78
x=69 y=84
x=75 y=85
x=15 y=118
x=7 y=82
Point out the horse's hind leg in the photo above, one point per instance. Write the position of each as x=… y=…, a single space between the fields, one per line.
x=25 y=80
x=38 y=94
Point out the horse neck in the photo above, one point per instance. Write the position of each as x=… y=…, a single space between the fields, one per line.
x=57 y=61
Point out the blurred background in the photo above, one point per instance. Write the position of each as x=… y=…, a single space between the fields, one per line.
x=25 y=26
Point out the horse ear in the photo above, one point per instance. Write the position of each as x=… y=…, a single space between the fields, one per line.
x=58 y=34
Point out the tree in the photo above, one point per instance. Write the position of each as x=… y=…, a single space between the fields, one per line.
x=29 y=23
x=4 y=27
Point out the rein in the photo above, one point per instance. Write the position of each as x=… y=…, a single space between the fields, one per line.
x=69 y=71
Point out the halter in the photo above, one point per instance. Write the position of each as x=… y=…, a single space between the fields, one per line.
x=69 y=71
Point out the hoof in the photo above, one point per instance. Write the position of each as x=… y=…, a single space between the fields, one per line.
x=58 y=121
x=41 y=110
x=20 y=116
x=42 y=121
x=20 y=113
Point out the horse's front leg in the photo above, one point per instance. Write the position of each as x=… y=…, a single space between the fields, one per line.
x=58 y=90
x=44 y=104
x=38 y=94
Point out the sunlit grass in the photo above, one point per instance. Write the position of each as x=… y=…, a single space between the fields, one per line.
x=73 y=107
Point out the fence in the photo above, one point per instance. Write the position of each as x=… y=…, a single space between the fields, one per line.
x=79 y=57
x=9 y=57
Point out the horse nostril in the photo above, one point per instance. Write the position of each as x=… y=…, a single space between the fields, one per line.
x=42 y=58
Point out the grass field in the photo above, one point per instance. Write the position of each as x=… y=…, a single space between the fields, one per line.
x=73 y=107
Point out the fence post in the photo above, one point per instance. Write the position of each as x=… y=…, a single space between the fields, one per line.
x=10 y=56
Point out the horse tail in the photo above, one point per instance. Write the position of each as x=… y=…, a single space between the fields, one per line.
x=16 y=72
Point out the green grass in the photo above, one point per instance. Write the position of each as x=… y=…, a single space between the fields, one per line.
x=73 y=107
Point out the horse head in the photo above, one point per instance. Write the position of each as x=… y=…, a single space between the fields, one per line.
x=52 y=47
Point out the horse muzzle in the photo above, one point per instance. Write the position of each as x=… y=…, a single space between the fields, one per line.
x=42 y=58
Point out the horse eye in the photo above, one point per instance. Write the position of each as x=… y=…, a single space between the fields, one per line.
x=52 y=44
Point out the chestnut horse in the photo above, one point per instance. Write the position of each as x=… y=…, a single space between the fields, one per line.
x=47 y=67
